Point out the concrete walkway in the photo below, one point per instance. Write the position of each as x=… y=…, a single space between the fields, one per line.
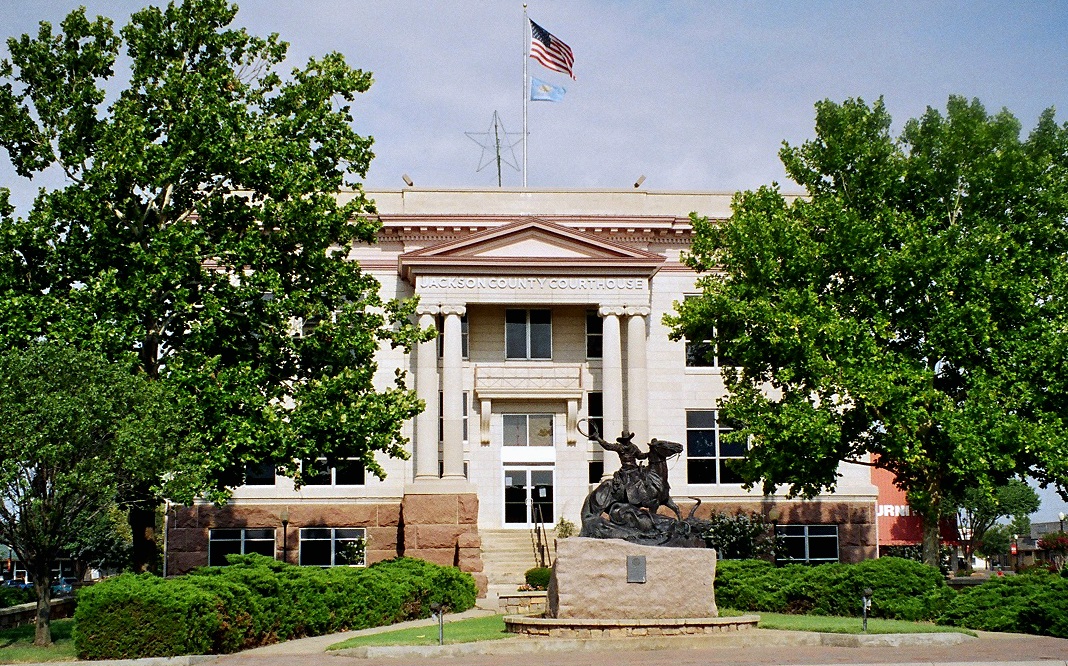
x=758 y=647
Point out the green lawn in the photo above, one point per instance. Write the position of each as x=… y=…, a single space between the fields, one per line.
x=16 y=645
x=849 y=625
x=487 y=628
x=492 y=628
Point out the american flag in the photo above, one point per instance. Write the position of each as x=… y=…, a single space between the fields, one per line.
x=550 y=51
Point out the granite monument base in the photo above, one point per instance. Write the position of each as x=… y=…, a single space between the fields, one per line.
x=592 y=579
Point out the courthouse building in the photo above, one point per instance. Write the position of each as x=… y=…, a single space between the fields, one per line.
x=550 y=306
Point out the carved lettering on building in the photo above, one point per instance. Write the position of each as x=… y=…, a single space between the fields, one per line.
x=541 y=283
x=892 y=510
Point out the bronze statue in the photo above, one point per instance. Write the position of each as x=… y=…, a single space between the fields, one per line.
x=625 y=506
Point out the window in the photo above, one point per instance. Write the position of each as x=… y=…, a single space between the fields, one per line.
x=594 y=335
x=259 y=474
x=441 y=416
x=333 y=547
x=596 y=471
x=595 y=412
x=465 y=336
x=347 y=472
x=528 y=334
x=528 y=429
x=711 y=353
x=238 y=541
x=707 y=455
x=807 y=544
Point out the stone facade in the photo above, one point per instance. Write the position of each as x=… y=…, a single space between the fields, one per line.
x=600 y=270
x=855 y=520
x=443 y=529
x=187 y=533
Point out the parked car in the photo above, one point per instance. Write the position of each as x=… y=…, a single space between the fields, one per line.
x=18 y=583
x=64 y=587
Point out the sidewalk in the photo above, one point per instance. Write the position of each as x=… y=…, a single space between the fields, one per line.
x=759 y=647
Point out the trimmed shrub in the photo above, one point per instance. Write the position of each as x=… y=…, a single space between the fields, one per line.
x=255 y=601
x=13 y=596
x=145 y=616
x=538 y=578
x=1032 y=603
x=902 y=589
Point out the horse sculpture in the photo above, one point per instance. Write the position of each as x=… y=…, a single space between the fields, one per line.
x=625 y=506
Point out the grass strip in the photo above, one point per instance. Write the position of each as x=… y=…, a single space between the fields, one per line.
x=475 y=629
x=492 y=628
x=829 y=624
x=16 y=644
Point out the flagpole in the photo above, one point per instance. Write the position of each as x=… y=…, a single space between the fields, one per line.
x=526 y=60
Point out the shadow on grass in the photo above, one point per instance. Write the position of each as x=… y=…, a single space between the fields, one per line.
x=62 y=630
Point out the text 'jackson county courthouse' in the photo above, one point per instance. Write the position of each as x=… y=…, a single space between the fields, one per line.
x=550 y=305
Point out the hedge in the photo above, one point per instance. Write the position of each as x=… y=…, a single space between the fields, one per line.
x=1031 y=603
x=13 y=596
x=256 y=601
x=902 y=589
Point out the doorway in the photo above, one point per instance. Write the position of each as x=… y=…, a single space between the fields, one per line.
x=528 y=496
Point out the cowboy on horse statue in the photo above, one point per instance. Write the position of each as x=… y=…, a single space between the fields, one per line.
x=625 y=506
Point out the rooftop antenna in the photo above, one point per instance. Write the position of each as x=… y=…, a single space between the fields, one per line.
x=499 y=143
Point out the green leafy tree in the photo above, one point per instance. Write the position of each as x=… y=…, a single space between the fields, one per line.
x=201 y=237
x=980 y=508
x=69 y=423
x=103 y=541
x=1021 y=525
x=996 y=541
x=909 y=312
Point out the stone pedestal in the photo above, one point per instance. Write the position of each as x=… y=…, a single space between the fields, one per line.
x=589 y=581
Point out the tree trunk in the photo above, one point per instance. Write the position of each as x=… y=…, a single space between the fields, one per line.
x=932 y=554
x=42 y=586
x=145 y=555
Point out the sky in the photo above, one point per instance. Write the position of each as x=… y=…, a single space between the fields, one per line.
x=694 y=95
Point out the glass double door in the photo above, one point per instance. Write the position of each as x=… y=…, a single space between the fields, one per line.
x=528 y=496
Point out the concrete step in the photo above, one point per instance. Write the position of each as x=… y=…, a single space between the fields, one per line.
x=507 y=555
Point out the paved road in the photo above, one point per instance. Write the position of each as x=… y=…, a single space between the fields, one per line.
x=1003 y=648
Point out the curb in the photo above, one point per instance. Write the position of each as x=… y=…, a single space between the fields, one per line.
x=751 y=638
x=183 y=660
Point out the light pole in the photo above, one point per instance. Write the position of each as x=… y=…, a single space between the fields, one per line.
x=1061 y=517
x=285 y=533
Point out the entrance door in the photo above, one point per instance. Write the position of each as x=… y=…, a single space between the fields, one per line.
x=528 y=496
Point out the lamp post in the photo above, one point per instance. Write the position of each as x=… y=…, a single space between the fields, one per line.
x=1061 y=517
x=438 y=609
x=285 y=533
x=866 y=605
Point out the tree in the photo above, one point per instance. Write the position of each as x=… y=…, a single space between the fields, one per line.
x=201 y=239
x=980 y=508
x=103 y=542
x=909 y=312
x=69 y=421
x=996 y=542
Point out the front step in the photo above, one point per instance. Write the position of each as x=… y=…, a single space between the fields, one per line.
x=508 y=554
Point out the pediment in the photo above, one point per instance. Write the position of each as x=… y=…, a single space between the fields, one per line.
x=531 y=244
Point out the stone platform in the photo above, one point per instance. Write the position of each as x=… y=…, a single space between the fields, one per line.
x=642 y=627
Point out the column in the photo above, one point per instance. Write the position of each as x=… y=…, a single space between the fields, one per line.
x=452 y=392
x=426 y=387
x=612 y=383
x=637 y=375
